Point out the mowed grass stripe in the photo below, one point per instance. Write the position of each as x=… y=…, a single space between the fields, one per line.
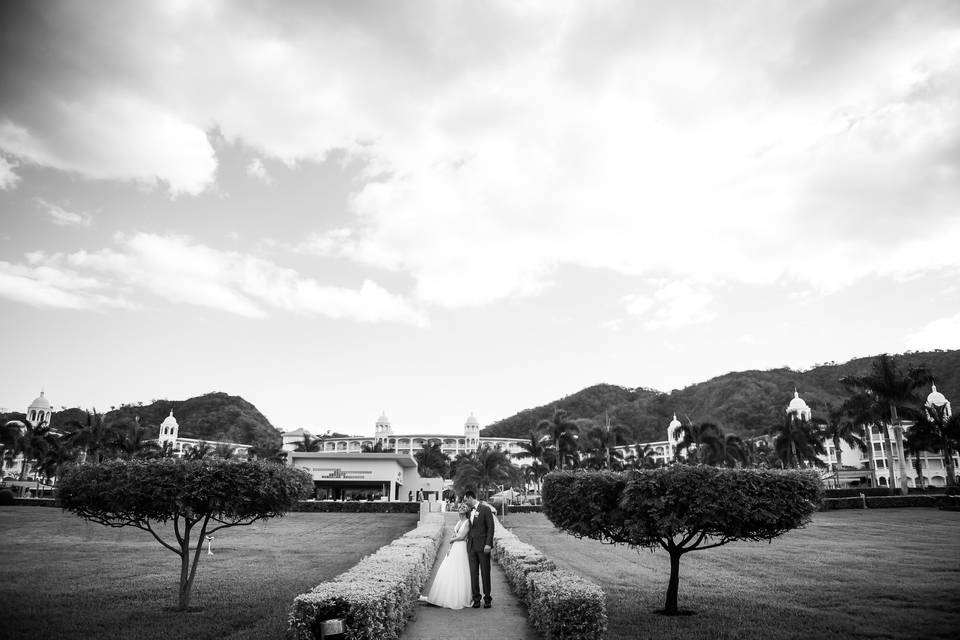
x=885 y=573
x=61 y=577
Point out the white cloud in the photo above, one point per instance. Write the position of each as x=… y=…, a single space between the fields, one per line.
x=64 y=217
x=56 y=287
x=179 y=270
x=749 y=144
x=8 y=179
x=256 y=169
x=943 y=333
x=673 y=304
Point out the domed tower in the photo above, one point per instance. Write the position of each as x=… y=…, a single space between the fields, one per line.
x=169 y=430
x=382 y=432
x=39 y=411
x=673 y=431
x=937 y=403
x=798 y=408
x=471 y=433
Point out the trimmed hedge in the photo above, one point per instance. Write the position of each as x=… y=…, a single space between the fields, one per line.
x=375 y=597
x=880 y=491
x=524 y=508
x=330 y=506
x=885 y=502
x=36 y=502
x=560 y=604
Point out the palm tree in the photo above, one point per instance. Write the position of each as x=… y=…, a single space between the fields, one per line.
x=30 y=442
x=56 y=454
x=562 y=435
x=889 y=386
x=268 y=451
x=643 y=459
x=734 y=451
x=432 y=462
x=131 y=440
x=865 y=414
x=840 y=427
x=938 y=433
x=93 y=437
x=534 y=449
x=702 y=441
x=602 y=440
x=201 y=450
x=484 y=468
x=797 y=442
x=225 y=451
x=309 y=443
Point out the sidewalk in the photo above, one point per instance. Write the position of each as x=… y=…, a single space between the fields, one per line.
x=507 y=618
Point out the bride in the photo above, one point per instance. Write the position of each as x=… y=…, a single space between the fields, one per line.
x=451 y=586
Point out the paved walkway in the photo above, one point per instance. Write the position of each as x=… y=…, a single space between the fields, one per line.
x=507 y=618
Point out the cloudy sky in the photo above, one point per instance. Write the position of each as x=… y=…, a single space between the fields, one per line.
x=432 y=208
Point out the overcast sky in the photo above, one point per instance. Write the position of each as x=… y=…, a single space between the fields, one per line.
x=432 y=208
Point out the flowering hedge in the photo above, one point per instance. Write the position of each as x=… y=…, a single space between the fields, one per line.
x=560 y=604
x=375 y=597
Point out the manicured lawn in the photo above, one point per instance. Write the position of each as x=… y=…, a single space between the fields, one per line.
x=884 y=573
x=63 y=578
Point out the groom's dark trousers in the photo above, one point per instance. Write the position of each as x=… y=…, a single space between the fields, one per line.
x=481 y=534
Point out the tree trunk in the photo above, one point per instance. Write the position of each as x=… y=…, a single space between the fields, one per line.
x=868 y=433
x=836 y=469
x=670 y=606
x=183 y=601
x=901 y=463
x=948 y=463
x=888 y=447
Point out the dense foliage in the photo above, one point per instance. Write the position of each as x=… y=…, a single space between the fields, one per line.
x=375 y=597
x=741 y=402
x=212 y=416
x=201 y=496
x=680 y=508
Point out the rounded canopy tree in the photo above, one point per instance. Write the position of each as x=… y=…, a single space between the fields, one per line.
x=681 y=508
x=209 y=493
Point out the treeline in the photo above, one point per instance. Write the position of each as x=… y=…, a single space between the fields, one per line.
x=744 y=402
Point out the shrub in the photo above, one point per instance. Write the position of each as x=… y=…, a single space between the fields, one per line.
x=330 y=506
x=560 y=604
x=6 y=497
x=680 y=508
x=375 y=597
x=198 y=496
x=563 y=606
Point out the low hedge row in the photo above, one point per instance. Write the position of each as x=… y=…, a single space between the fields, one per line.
x=882 y=502
x=880 y=491
x=361 y=506
x=375 y=597
x=560 y=604
x=524 y=508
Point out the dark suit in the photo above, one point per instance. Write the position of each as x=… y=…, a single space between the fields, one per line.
x=481 y=535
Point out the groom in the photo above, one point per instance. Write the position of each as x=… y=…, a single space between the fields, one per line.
x=479 y=544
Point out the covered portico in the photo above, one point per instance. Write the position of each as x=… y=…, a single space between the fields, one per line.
x=358 y=476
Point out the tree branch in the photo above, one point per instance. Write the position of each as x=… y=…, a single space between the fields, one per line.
x=159 y=539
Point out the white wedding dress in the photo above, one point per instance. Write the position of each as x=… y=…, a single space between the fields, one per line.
x=451 y=586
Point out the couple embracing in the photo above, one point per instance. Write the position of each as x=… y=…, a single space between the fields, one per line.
x=457 y=583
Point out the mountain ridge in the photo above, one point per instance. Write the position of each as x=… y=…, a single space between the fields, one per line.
x=743 y=402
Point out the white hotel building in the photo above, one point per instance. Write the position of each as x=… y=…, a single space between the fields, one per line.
x=450 y=444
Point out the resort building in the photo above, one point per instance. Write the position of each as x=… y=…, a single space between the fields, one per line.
x=450 y=444
x=366 y=476
x=170 y=433
x=39 y=412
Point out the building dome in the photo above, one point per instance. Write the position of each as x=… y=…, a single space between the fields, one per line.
x=383 y=419
x=40 y=403
x=674 y=423
x=798 y=406
x=169 y=421
x=471 y=422
x=936 y=399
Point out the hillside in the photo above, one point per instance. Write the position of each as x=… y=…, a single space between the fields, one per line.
x=213 y=416
x=743 y=402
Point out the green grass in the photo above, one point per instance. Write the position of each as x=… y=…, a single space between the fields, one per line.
x=885 y=573
x=61 y=577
